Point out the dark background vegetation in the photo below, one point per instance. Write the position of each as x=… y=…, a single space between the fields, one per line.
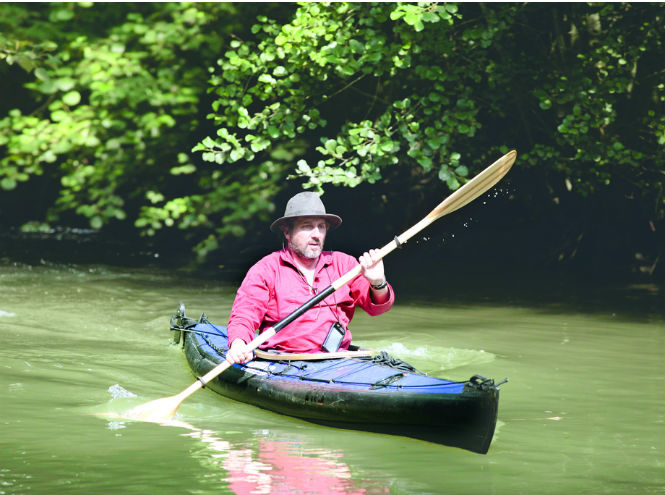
x=148 y=133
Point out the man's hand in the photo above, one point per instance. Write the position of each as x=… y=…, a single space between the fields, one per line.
x=239 y=352
x=372 y=267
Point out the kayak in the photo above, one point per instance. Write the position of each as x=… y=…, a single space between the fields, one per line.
x=372 y=392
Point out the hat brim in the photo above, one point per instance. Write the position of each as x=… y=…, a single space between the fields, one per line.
x=333 y=220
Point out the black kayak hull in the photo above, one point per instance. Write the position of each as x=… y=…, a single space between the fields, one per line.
x=466 y=419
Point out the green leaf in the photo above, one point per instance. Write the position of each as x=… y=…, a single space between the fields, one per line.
x=183 y=170
x=356 y=46
x=41 y=74
x=425 y=162
x=59 y=116
x=545 y=104
x=387 y=145
x=72 y=98
x=279 y=71
x=273 y=132
x=96 y=222
x=429 y=16
x=267 y=78
x=330 y=145
x=25 y=62
x=237 y=154
x=65 y=83
x=8 y=184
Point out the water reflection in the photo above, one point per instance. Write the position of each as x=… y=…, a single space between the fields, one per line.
x=267 y=464
x=282 y=468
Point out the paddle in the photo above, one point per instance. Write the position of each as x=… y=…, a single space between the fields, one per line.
x=164 y=409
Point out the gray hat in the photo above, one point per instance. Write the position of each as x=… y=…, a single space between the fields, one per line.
x=305 y=204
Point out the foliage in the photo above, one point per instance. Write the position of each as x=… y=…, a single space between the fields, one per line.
x=391 y=96
x=424 y=110
x=115 y=115
x=602 y=100
x=295 y=80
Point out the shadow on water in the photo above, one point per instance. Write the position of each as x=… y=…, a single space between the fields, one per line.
x=546 y=292
x=460 y=273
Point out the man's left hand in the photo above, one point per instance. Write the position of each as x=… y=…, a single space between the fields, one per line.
x=372 y=267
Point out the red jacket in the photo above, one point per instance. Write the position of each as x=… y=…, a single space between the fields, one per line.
x=274 y=287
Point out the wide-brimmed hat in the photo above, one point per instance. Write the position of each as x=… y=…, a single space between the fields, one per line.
x=305 y=204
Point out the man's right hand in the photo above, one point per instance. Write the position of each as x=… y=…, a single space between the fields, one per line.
x=239 y=352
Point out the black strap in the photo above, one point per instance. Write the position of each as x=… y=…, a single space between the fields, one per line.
x=387 y=381
x=385 y=359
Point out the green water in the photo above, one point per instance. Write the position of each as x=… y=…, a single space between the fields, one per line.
x=583 y=411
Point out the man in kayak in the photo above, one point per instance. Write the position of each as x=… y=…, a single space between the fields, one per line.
x=284 y=280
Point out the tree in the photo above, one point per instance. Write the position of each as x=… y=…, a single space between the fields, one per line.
x=399 y=98
x=113 y=109
x=415 y=94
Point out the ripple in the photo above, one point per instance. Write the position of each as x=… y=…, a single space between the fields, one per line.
x=444 y=358
x=455 y=358
x=401 y=350
x=117 y=392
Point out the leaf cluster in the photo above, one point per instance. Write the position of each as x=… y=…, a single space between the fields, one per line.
x=111 y=99
x=289 y=83
x=113 y=114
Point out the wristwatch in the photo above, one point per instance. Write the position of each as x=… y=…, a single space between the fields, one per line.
x=380 y=286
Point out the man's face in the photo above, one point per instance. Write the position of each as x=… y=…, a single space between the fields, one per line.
x=306 y=236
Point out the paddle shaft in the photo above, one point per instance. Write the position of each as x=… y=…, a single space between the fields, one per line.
x=465 y=194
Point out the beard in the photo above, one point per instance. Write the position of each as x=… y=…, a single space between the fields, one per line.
x=307 y=251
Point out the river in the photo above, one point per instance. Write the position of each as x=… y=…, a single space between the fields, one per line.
x=582 y=413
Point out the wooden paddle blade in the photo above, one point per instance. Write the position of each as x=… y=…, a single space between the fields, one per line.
x=465 y=194
x=480 y=184
x=163 y=410
x=158 y=411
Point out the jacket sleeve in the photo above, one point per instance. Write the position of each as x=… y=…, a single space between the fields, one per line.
x=360 y=291
x=250 y=305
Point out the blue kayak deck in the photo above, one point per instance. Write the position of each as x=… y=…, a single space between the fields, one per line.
x=353 y=373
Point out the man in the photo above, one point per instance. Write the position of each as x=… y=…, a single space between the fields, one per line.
x=284 y=280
